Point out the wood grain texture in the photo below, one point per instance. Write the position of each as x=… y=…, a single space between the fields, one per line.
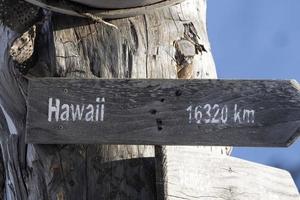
x=4 y=129
x=14 y=107
x=142 y=47
x=165 y=112
x=189 y=175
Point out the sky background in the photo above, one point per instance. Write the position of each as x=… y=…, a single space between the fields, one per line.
x=258 y=39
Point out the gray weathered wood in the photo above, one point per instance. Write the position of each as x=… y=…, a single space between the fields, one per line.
x=164 y=112
x=11 y=100
x=140 y=48
x=192 y=176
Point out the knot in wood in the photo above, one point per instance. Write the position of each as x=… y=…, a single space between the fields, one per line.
x=22 y=49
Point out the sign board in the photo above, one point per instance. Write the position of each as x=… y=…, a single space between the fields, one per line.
x=163 y=112
x=184 y=173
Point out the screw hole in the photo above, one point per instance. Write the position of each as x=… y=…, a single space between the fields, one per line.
x=159 y=124
x=178 y=93
x=153 y=111
x=72 y=183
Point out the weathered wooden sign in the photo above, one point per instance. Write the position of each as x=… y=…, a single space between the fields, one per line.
x=193 y=175
x=163 y=112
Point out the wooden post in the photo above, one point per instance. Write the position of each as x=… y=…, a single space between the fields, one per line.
x=166 y=43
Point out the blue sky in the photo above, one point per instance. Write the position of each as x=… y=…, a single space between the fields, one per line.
x=258 y=39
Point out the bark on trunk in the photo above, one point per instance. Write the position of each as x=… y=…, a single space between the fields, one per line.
x=167 y=43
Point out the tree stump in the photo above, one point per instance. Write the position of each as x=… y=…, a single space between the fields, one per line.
x=166 y=43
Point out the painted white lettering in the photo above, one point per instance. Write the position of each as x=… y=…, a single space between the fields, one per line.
x=198 y=114
x=236 y=117
x=224 y=114
x=97 y=109
x=65 y=115
x=215 y=119
x=218 y=114
x=207 y=107
x=189 y=109
x=77 y=112
x=53 y=109
x=102 y=110
x=249 y=116
x=89 y=116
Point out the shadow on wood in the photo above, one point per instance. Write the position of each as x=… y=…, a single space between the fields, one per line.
x=140 y=48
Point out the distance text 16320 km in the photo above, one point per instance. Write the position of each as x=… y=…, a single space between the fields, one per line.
x=220 y=114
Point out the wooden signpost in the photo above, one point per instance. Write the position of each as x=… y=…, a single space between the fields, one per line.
x=163 y=112
x=158 y=112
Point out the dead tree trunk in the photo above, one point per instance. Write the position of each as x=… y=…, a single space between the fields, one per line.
x=166 y=43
